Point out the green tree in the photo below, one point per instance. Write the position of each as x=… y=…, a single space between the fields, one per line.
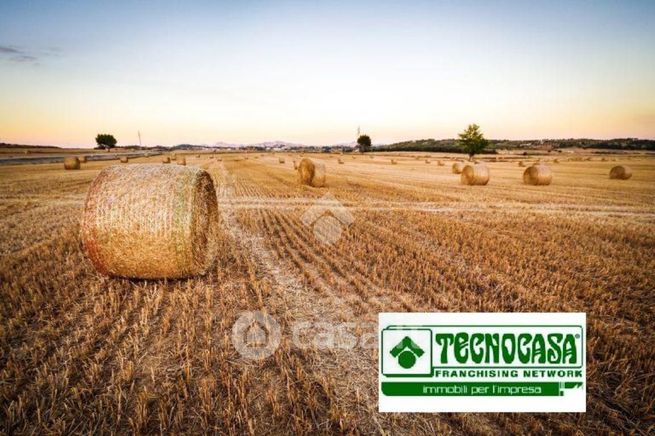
x=364 y=143
x=105 y=140
x=472 y=140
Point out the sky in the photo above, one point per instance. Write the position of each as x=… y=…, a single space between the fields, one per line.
x=311 y=72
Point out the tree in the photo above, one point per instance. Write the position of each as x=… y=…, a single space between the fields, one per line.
x=105 y=140
x=364 y=143
x=472 y=140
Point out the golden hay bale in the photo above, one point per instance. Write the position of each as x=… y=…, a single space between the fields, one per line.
x=427 y=161
x=212 y=157
x=521 y=164
x=281 y=160
x=537 y=175
x=71 y=163
x=555 y=160
x=181 y=161
x=166 y=159
x=458 y=167
x=620 y=172
x=197 y=156
x=173 y=156
x=151 y=221
x=440 y=163
x=82 y=159
x=340 y=161
x=475 y=174
x=311 y=173
x=393 y=162
x=124 y=159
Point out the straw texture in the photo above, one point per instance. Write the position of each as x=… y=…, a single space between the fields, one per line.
x=458 y=167
x=537 y=174
x=151 y=221
x=71 y=163
x=475 y=174
x=620 y=172
x=166 y=159
x=311 y=173
x=181 y=161
x=124 y=159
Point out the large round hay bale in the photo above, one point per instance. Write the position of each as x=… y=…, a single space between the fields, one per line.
x=280 y=160
x=124 y=159
x=311 y=173
x=521 y=164
x=166 y=159
x=537 y=175
x=181 y=161
x=393 y=162
x=458 y=167
x=71 y=163
x=620 y=172
x=82 y=159
x=475 y=174
x=340 y=161
x=173 y=156
x=427 y=161
x=440 y=163
x=151 y=221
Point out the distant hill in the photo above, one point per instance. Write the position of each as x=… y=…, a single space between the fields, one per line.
x=450 y=145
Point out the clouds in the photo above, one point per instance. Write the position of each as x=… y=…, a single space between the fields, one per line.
x=21 y=56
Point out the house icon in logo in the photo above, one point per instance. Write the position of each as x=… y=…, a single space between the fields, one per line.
x=406 y=351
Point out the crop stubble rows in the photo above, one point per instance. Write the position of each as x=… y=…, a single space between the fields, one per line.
x=80 y=352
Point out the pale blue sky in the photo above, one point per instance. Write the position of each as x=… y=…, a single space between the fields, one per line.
x=311 y=72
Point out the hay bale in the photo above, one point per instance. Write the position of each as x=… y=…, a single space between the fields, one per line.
x=281 y=160
x=181 y=161
x=295 y=165
x=427 y=161
x=124 y=159
x=71 y=163
x=440 y=163
x=197 y=156
x=620 y=172
x=458 y=167
x=475 y=174
x=556 y=161
x=311 y=173
x=82 y=159
x=521 y=164
x=537 y=175
x=166 y=160
x=393 y=162
x=151 y=221
x=340 y=161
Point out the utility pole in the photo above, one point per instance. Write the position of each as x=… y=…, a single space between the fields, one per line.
x=139 y=133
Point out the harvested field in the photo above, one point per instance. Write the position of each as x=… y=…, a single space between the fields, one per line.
x=81 y=352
